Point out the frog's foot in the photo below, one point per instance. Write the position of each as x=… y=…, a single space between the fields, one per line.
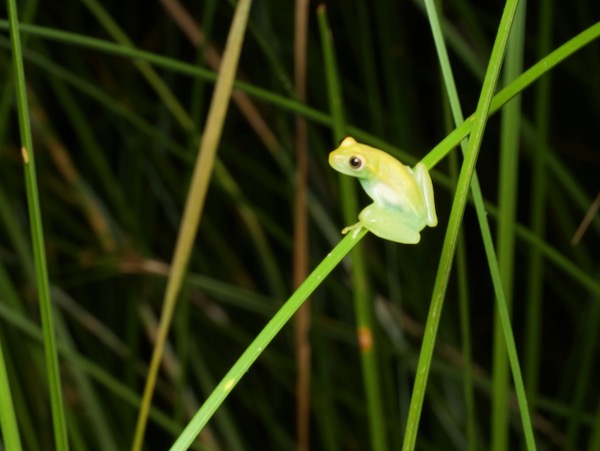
x=354 y=228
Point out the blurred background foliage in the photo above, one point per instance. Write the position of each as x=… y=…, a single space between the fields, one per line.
x=114 y=158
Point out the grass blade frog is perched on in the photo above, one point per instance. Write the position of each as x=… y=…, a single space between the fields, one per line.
x=403 y=202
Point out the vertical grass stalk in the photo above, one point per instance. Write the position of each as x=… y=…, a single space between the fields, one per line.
x=507 y=202
x=456 y=215
x=360 y=289
x=461 y=258
x=37 y=236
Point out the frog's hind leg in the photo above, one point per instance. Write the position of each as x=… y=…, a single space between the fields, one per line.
x=389 y=226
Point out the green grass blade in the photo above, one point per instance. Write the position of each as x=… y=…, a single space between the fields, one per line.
x=509 y=340
x=482 y=217
x=263 y=339
x=507 y=204
x=462 y=274
x=456 y=215
x=37 y=237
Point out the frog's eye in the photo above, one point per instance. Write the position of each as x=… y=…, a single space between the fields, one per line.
x=355 y=162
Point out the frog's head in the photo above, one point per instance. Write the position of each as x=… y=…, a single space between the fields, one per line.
x=352 y=158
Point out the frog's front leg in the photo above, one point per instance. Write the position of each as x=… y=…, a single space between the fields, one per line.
x=388 y=224
x=354 y=228
x=423 y=179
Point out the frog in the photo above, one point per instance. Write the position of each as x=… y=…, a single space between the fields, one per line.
x=403 y=198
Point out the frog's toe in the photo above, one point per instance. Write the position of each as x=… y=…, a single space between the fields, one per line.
x=355 y=228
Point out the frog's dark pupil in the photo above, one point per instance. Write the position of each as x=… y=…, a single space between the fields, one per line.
x=355 y=162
